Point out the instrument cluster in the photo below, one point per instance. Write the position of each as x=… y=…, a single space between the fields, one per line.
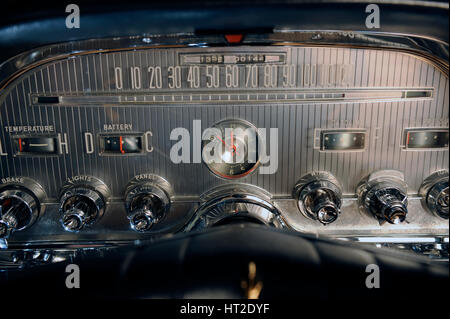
x=125 y=144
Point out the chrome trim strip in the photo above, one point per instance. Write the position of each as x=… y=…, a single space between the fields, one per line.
x=394 y=240
x=356 y=95
x=431 y=50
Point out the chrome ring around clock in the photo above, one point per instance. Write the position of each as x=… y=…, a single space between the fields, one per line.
x=242 y=135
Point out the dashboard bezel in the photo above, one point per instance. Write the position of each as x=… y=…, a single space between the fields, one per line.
x=15 y=67
x=432 y=50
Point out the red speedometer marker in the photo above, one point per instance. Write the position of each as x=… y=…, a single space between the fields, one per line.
x=234 y=38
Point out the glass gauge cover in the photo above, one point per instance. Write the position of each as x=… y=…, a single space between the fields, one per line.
x=230 y=148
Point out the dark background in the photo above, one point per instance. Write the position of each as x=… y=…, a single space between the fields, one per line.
x=27 y=25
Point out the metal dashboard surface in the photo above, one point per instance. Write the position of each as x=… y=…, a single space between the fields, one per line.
x=153 y=106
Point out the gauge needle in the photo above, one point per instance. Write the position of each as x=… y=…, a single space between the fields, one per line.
x=121 y=145
x=232 y=148
x=221 y=140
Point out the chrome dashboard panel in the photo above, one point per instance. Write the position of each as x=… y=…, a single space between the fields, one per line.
x=367 y=84
x=373 y=69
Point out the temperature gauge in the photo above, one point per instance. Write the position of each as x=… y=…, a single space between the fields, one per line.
x=36 y=145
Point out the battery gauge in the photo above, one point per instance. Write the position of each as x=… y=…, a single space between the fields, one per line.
x=121 y=144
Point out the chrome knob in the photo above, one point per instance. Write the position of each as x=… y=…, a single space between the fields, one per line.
x=318 y=196
x=147 y=201
x=19 y=206
x=384 y=194
x=16 y=209
x=82 y=202
x=74 y=220
x=142 y=220
x=435 y=193
x=4 y=229
x=80 y=207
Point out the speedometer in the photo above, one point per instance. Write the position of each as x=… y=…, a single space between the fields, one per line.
x=231 y=148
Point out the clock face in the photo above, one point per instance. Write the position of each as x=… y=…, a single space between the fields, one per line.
x=230 y=149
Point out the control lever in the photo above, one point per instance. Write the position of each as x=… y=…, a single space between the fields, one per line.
x=384 y=194
x=4 y=231
x=435 y=193
x=8 y=221
x=147 y=201
x=82 y=202
x=318 y=196
x=19 y=207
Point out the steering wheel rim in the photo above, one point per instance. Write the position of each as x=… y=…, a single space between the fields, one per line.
x=217 y=263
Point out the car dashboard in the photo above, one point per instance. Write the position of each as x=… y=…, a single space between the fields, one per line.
x=115 y=141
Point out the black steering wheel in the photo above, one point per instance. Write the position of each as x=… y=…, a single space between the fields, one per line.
x=238 y=260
